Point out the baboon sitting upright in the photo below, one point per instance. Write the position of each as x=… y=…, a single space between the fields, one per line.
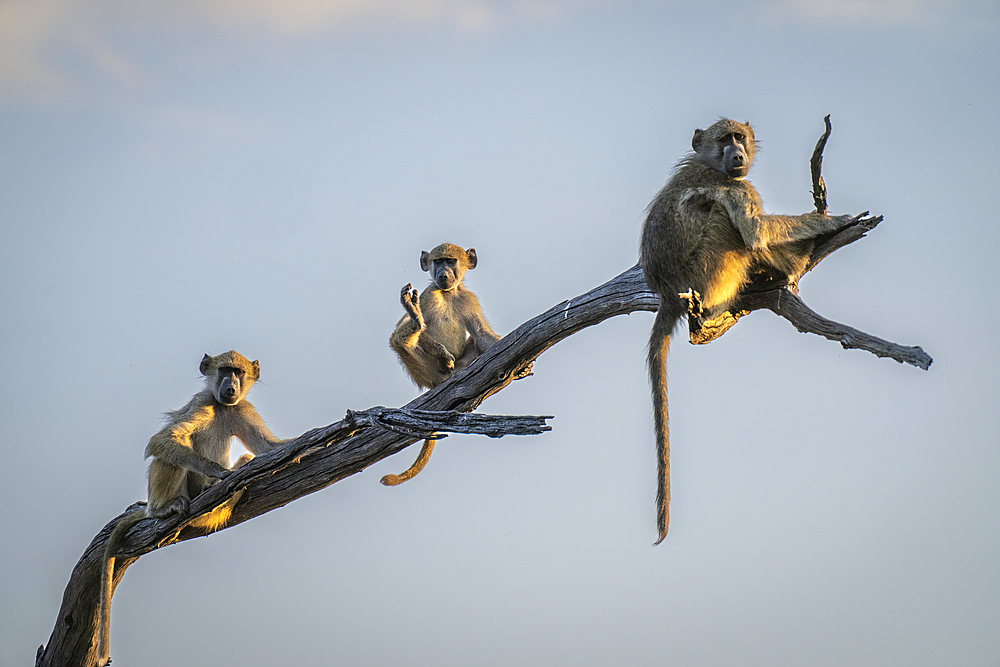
x=189 y=453
x=442 y=331
x=705 y=231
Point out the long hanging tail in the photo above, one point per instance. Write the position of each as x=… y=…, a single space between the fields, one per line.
x=422 y=458
x=104 y=618
x=659 y=346
x=107 y=576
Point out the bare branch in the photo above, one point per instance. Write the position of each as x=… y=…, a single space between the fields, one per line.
x=425 y=423
x=789 y=306
x=816 y=167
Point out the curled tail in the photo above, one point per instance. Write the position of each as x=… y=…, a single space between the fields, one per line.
x=659 y=346
x=107 y=578
x=422 y=458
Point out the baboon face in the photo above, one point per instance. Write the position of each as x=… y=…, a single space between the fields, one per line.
x=447 y=264
x=231 y=375
x=726 y=146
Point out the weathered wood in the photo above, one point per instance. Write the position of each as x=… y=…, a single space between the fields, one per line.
x=793 y=309
x=816 y=169
x=425 y=423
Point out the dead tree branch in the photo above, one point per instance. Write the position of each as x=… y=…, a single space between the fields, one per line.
x=816 y=167
x=326 y=455
x=789 y=306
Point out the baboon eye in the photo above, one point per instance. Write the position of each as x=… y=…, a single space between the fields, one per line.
x=737 y=136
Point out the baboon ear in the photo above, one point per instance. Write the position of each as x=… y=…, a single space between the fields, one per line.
x=256 y=370
x=696 y=139
x=471 y=255
x=425 y=264
x=206 y=363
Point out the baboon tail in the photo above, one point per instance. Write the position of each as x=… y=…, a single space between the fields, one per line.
x=104 y=616
x=422 y=458
x=659 y=346
x=107 y=578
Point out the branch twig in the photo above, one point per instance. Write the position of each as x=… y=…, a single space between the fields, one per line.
x=424 y=423
x=816 y=167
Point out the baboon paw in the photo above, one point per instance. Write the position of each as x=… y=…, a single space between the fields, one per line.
x=179 y=506
x=447 y=365
x=411 y=302
x=693 y=298
x=404 y=294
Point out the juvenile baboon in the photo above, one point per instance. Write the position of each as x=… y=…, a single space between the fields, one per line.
x=189 y=452
x=442 y=331
x=706 y=230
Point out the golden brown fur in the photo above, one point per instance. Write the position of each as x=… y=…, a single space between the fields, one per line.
x=705 y=231
x=189 y=453
x=442 y=331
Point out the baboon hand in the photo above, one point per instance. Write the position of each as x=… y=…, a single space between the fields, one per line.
x=695 y=308
x=446 y=364
x=404 y=295
x=411 y=303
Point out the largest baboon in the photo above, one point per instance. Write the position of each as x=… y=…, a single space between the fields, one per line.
x=705 y=230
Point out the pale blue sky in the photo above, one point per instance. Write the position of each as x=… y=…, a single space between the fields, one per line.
x=263 y=175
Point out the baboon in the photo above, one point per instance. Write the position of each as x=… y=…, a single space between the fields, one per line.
x=189 y=453
x=706 y=231
x=442 y=331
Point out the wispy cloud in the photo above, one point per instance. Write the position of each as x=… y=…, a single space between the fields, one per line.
x=107 y=59
x=954 y=16
x=26 y=26
x=38 y=38
x=190 y=120
x=32 y=30
x=298 y=17
x=295 y=17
